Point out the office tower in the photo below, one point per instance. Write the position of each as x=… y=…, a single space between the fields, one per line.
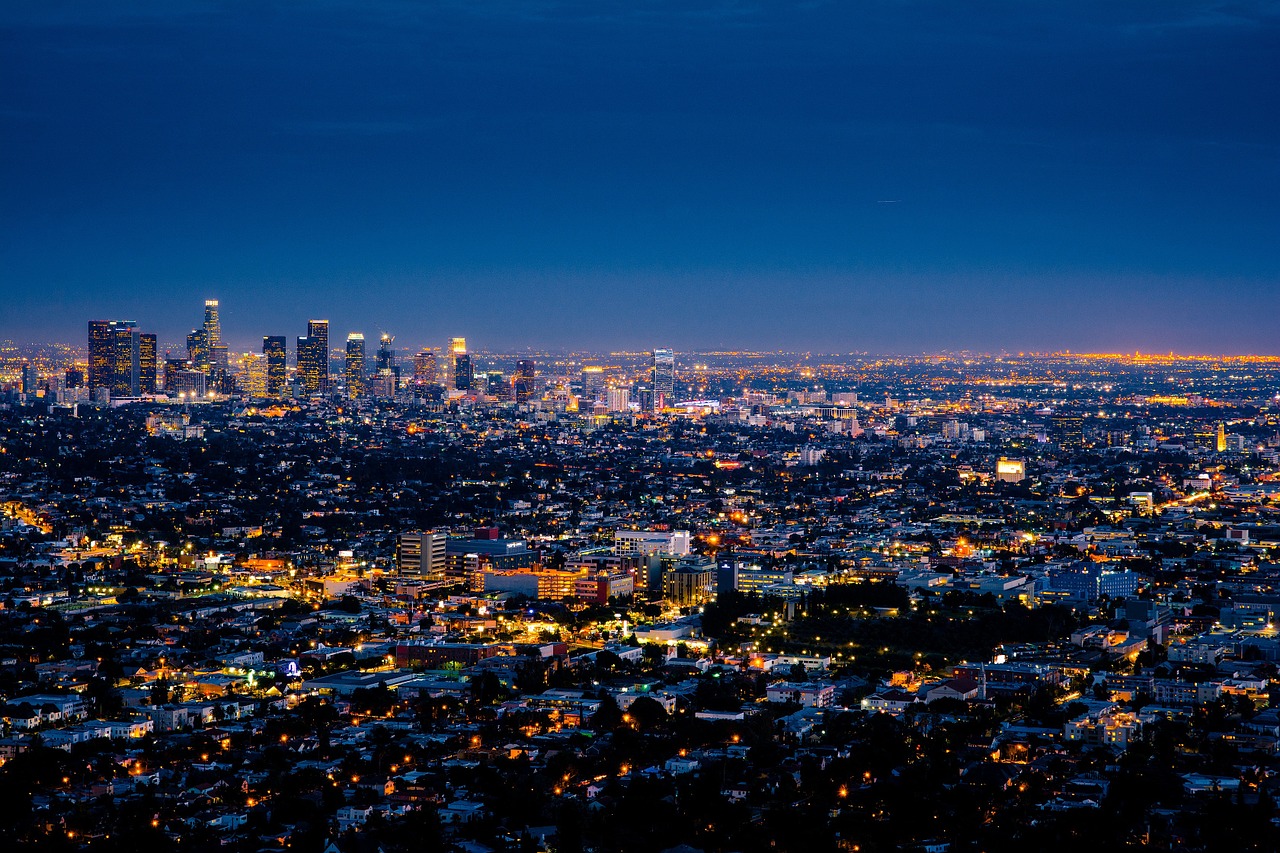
x=497 y=387
x=212 y=326
x=114 y=358
x=188 y=384
x=526 y=376
x=198 y=349
x=457 y=347
x=664 y=378
x=421 y=554
x=252 y=369
x=1221 y=443
x=355 y=364
x=273 y=348
x=171 y=368
x=126 y=362
x=313 y=358
x=1070 y=430
x=28 y=377
x=593 y=383
x=73 y=379
x=462 y=375
x=424 y=368
x=386 y=360
x=102 y=341
x=219 y=359
x=147 y=364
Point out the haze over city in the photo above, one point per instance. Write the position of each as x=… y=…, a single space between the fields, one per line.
x=872 y=177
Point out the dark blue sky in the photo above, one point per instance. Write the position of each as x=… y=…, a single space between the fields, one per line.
x=884 y=176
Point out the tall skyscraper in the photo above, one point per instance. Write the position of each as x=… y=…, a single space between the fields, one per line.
x=273 y=347
x=29 y=378
x=526 y=378
x=457 y=347
x=125 y=360
x=212 y=325
x=664 y=378
x=424 y=368
x=102 y=341
x=593 y=383
x=253 y=374
x=386 y=360
x=198 y=349
x=462 y=372
x=313 y=358
x=114 y=358
x=147 y=364
x=355 y=365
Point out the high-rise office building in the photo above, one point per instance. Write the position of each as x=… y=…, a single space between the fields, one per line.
x=313 y=358
x=422 y=555
x=253 y=374
x=355 y=365
x=386 y=360
x=424 y=368
x=593 y=383
x=147 y=364
x=28 y=377
x=462 y=372
x=115 y=366
x=102 y=343
x=526 y=377
x=664 y=378
x=273 y=348
x=171 y=368
x=457 y=347
x=1220 y=443
x=198 y=350
x=126 y=362
x=212 y=325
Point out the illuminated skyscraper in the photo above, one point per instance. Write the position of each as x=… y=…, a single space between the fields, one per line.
x=386 y=360
x=593 y=383
x=114 y=358
x=212 y=326
x=198 y=349
x=29 y=378
x=424 y=368
x=355 y=365
x=253 y=374
x=462 y=373
x=526 y=378
x=313 y=358
x=1221 y=443
x=273 y=347
x=147 y=364
x=102 y=341
x=457 y=348
x=664 y=378
x=126 y=373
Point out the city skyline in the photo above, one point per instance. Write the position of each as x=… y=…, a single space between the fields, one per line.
x=1092 y=177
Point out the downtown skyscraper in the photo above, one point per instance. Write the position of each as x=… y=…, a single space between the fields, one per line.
x=313 y=358
x=355 y=365
x=274 y=349
x=115 y=358
x=664 y=378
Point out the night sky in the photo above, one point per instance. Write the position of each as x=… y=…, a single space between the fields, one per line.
x=843 y=176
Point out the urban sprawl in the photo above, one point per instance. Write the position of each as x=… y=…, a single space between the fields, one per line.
x=313 y=598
